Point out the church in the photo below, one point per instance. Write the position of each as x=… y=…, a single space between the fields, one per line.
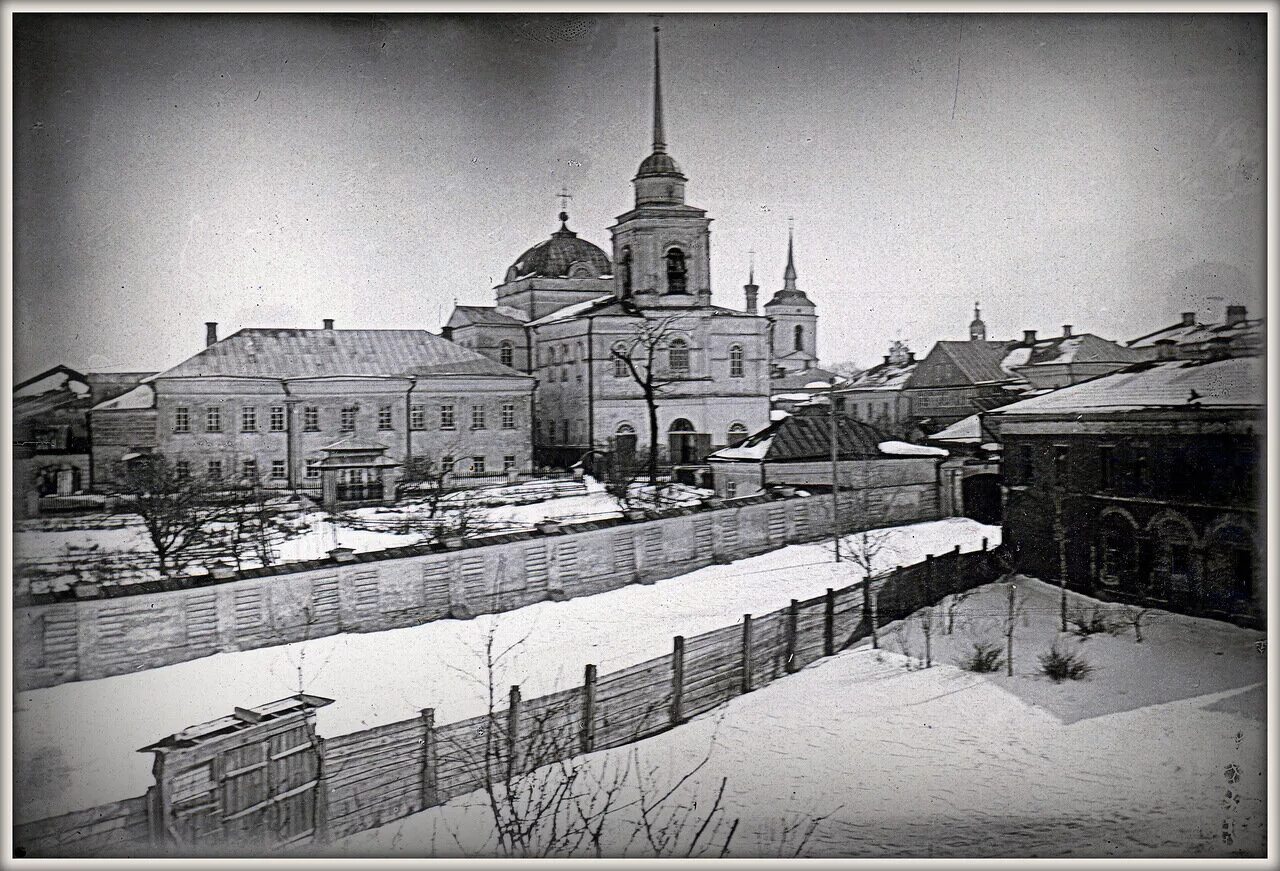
x=601 y=332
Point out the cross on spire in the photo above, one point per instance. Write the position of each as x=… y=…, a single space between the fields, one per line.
x=659 y=134
x=789 y=274
x=565 y=196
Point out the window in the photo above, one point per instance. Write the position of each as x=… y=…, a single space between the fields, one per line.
x=278 y=470
x=731 y=489
x=735 y=361
x=181 y=470
x=677 y=278
x=248 y=419
x=213 y=471
x=276 y=422
x=1060 y=455
x=1105 y=471
x=1179 y=559
x=619 y=354
x=799 y=337
x=1026 y=463
x=840 y=404
x=477 y=417
x=624 y=272
x=249 y=469
x=508 y=415
x=564 y=432
x=181 y=419
x=213 y=420
x=347 y=419
x=506 y=354
x=737 y=432
x=1141 y=470
x=446 y=416
x=313 y=469
x=417 y=417
x=678 y=355
x=446 y=464
x=477 y=465
x=384 y=417
x=509 y=462
x=310 y=419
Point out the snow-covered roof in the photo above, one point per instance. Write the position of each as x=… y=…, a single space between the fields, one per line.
x=57 y=378
x=140 y=397
x=1236 y=382
x=755 y=451
x=968 y=430
x=896 y=448
x=778 y=414
x=571 y=311
x=791 y=397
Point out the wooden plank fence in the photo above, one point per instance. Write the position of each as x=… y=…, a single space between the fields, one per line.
x=382 y=774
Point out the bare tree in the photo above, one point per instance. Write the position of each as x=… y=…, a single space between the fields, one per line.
x=1134 y=615
x=926 y=618
x=252 y=527
x=640 y=354
x=434 y=474
x=178 y=511
x=954 y=601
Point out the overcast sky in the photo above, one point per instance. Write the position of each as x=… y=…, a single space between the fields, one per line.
x=1104 y=171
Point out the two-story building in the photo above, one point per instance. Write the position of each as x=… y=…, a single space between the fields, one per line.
x=273 y=405
x=1145 y=484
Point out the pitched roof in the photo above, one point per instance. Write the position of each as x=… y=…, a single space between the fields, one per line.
x=1237 y=382
x=882 y=376
x=488 y=315
x=1082 y=348
x=1194 y=334
x=312 y=353
x=975 y=362
x=806 y=437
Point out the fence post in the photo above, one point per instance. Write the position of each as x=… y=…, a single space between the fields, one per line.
x=589 y=709
x=829 y=625
x=869 y=611
x=793 y=621
x=746 y=653
x=928 y=578
x=430 y=759
x=513 y=730
x=984 y=544
x=956 y=582
x=1009 y=633
x=677 y=680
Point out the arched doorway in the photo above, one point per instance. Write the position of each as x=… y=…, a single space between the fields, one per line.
x=981 y=498
x=1231 y=557
x=684 y=442
x=1118 y=553
x=1173 y=565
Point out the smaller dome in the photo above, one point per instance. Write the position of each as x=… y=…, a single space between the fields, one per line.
x=564 y=255
x=659 y=163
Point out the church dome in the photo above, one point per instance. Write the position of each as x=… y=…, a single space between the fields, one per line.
x=564 y=255
x=659 y=163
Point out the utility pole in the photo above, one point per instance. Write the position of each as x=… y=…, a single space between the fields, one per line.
x=835 y=468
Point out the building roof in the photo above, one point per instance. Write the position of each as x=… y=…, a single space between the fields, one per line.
x=485 y=315
x=801 y=379
x=564 y=255
x=806 y=435
x=312 y=353
x=1237 y=382
x=1198 y=333
x=1082 y=348
x=142 y=396
x=965 y=431
x=610 y=305
x=974 y=362
x=883 y=376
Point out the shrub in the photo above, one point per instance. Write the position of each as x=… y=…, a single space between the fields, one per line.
x=1085 y=624
x=1060 y=665
x=986 y=657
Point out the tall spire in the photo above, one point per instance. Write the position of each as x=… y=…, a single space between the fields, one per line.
x=659 y=135
x=751 y=267
x=789 y=275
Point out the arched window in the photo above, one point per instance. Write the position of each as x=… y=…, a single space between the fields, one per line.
x=681 y=424
x=735 y=361
x=624 y=270
x=1118 y=552
x=505 y=353
x=619 y=361
x=677 y=278
x=678 y=355
x=737 y=433
x=799 y=337
x=564 y=353
x=625 y=428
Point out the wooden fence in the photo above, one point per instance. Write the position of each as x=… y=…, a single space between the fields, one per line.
x=389 y=772
x=101 y=631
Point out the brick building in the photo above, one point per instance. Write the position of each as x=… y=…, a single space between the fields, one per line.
x=272 y=404
x=1150 y=478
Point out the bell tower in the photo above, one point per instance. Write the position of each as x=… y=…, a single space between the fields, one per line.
x=661 y=248
x=795 y=319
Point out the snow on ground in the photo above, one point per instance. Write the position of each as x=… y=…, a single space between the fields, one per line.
x=45 y=563
x=78 y=741
x=1158 y=753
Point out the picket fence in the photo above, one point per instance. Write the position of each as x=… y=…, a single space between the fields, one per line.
x=369 y=778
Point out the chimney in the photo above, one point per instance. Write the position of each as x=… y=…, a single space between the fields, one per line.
x=911 y=356
x=1188 y=319
x=328 y=323
x=210 y=333
x=753 y=293
x=1028 y=337
x=1066 y=331
x=1236 y=314
x=886 y=359
x=446 y=332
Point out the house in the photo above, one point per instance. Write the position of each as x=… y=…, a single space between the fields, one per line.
x=1189 y=339
x=281 y=405
x=877 y=394
x=887 y=475
x=1059 y=361
x=969 y=479
x=1148 y=478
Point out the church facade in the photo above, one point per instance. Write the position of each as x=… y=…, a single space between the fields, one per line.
x=601 y=331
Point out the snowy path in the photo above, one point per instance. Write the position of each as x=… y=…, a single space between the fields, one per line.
x=78 y=741
x=942 y=762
